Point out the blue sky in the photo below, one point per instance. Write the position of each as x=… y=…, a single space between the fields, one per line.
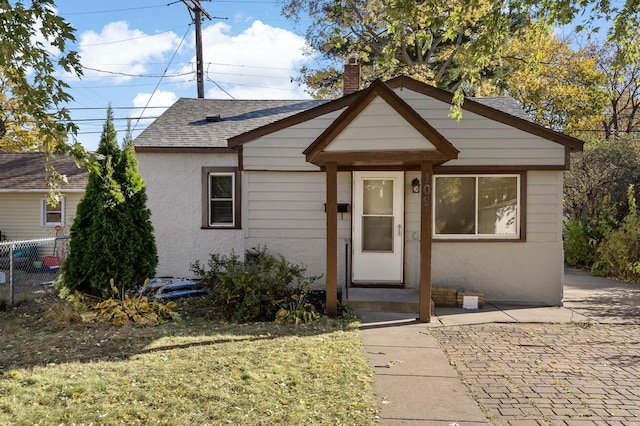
x=142 y=54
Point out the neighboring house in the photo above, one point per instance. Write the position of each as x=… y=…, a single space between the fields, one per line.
x=417 y=198
x=24 y=211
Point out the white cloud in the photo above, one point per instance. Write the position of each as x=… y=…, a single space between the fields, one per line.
x=160 y=98
x=258 y=63
x=121 y=50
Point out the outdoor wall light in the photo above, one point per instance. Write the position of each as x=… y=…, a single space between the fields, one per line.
x=415 y=186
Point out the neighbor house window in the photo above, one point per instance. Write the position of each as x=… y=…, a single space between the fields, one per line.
x=52 y=214
x=220 y=197
x=480 y=206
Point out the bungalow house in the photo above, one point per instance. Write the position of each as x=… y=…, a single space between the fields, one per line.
x=24 y=211
x=377 y=188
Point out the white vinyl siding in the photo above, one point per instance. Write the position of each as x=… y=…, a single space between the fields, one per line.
x=485 y=142
x=284 y=212
x=291 y=205
x=379 y=128
x=544 y=206
x=21 y=215
x=283 y=150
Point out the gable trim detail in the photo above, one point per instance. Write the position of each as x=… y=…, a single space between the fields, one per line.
x=444 y=149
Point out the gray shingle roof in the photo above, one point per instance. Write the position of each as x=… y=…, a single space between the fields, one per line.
x=505 y=104
x=25 y=171
x=184 y=124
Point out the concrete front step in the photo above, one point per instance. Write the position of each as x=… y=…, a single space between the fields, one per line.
x=371 y=299
x=381 y=306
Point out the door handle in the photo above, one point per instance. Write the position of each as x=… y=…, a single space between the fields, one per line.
x=399 y=230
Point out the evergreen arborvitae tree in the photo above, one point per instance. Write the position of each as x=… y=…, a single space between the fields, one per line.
x=140 y=241
x=112 y=236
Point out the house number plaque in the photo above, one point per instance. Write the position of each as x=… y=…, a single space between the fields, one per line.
x=426 y=191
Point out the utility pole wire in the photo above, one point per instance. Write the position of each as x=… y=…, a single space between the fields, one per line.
x=195 y=7
x=159 y=81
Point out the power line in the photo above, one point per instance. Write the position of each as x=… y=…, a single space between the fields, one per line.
x=132 y=85
x=95 y=12
x=160 y=80
x=134 y=38
x=88 y=120
x=138 y=75
x=114 y=108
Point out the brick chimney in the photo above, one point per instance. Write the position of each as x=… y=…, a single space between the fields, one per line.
x=351 y=76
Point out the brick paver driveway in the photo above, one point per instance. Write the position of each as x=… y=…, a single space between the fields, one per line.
x=560 y=374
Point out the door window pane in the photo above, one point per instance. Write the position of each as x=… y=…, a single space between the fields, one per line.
x=377 y=233
x=378 y=196
x=455 y=205
x=498 y=205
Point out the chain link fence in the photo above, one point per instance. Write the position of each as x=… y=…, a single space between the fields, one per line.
x=28 y=268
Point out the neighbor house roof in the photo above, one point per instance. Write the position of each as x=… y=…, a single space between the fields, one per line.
x=185 y=125
x=26 y=172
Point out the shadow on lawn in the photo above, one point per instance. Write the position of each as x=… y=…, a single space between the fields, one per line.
x=29 y=338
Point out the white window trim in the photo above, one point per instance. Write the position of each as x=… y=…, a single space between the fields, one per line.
x=231 y=224
x=43 y=213
x=477 y=236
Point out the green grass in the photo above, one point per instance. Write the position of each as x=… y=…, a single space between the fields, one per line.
x=194 y=371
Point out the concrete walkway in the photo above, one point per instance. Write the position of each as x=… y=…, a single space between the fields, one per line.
x=414 y=382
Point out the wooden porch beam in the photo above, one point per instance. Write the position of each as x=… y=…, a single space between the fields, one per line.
x=332 y=239
x=426 y=212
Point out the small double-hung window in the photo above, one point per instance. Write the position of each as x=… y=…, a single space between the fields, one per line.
x=477 y=207
x=220 y=198
x=51 y=214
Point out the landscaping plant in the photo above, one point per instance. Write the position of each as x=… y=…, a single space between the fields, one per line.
x=253 y=289
x=122 y=308
x=111 y=236
x=297 y=309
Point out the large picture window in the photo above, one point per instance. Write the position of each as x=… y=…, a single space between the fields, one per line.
x=220 y=198
x=52 y=214
x=480 y=206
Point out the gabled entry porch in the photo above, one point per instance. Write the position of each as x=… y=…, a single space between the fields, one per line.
x=379 y=132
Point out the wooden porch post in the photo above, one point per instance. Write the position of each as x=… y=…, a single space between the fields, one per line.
x=426 y=212
x=332 y=239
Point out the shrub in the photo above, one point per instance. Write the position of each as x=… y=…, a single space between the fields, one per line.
x=578 y=244
x=617 y=254
x=251 y=290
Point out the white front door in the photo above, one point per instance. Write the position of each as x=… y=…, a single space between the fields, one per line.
x=378 y=227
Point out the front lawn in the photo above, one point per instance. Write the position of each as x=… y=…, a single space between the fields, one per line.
x=195 y=371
